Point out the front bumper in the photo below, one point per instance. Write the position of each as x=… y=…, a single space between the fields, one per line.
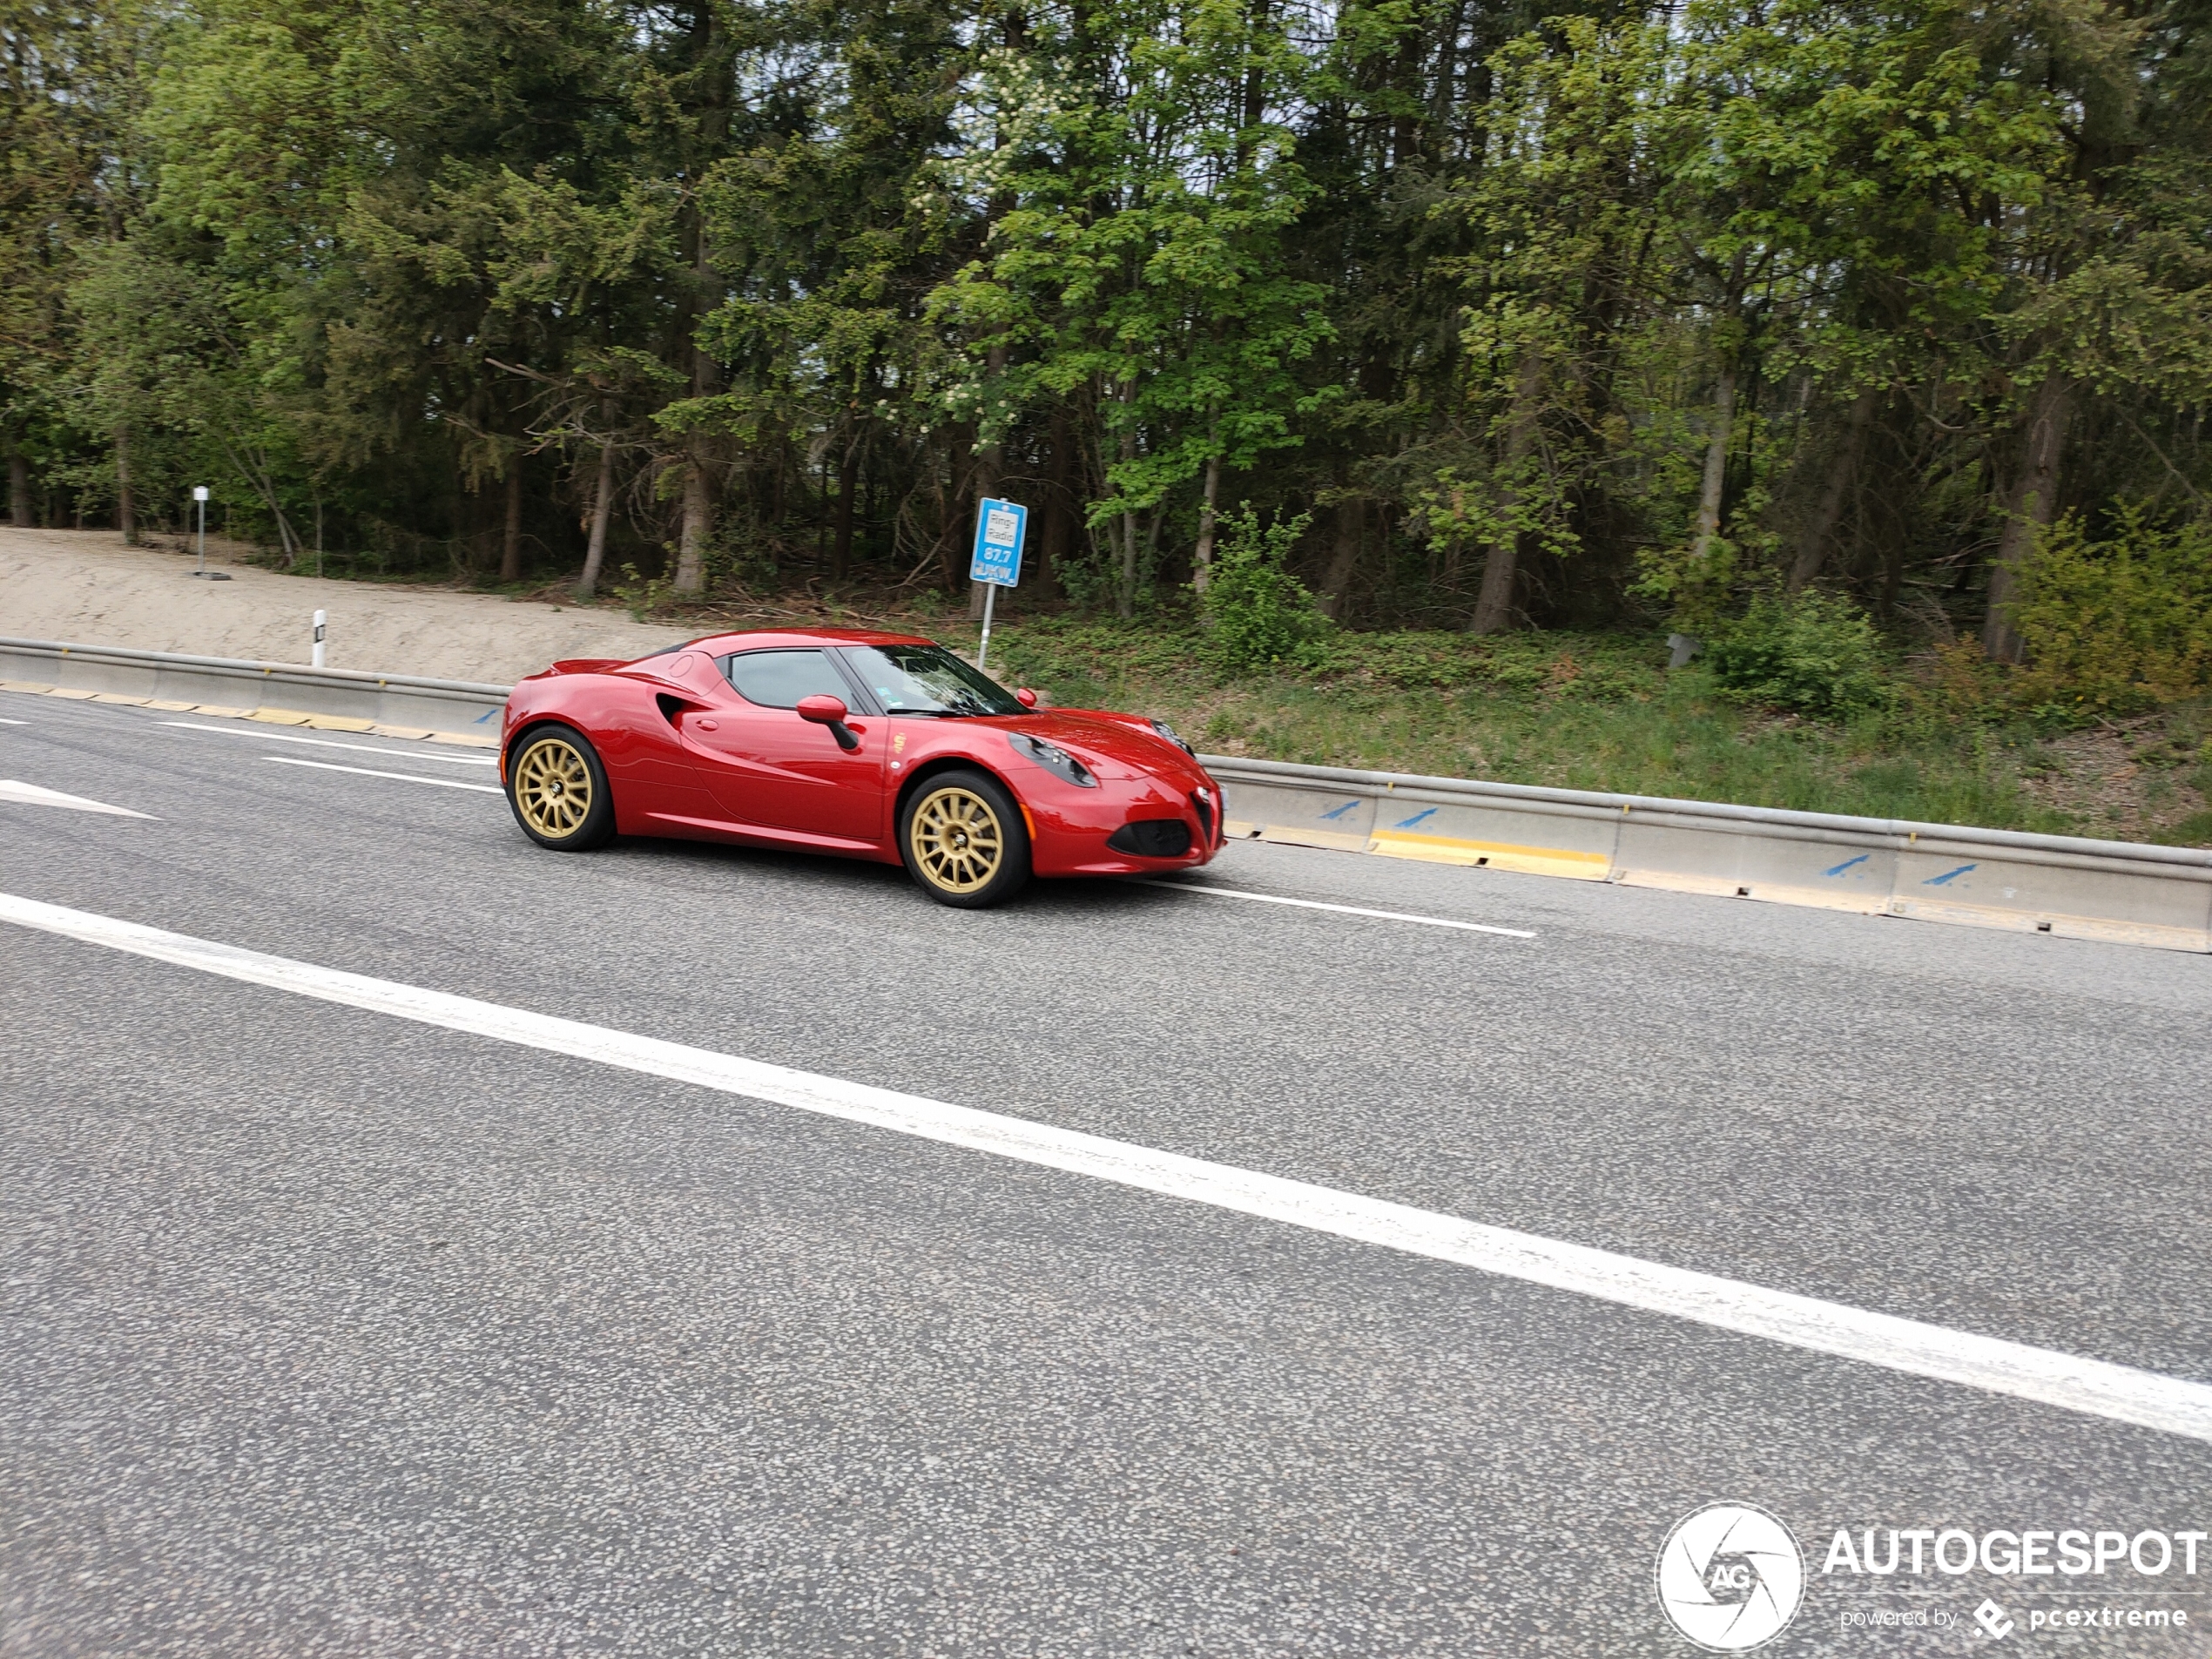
x=1072 y=837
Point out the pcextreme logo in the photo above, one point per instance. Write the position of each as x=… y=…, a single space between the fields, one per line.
x=1730 y=1577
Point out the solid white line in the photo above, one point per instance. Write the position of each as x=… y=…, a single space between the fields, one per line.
x=404 y=776
x=34 y=795
x=262 y=734
x=14 y=723
x=2093 y=1386
x=1342 y=909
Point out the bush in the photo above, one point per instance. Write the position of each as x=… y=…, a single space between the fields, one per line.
x=2117 y=625
x=1257 y=615
x=1812 y=653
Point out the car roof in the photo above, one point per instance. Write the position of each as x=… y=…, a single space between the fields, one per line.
x=755 y=639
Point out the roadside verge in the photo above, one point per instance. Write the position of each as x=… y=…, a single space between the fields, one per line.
x=2117 y=892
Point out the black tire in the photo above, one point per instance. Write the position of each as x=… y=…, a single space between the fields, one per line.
x=964 y=840
x=545 y=773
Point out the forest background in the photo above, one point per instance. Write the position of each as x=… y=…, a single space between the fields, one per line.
x=1387 y=380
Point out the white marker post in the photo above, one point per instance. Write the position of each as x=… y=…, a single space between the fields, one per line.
x=1001 y=526
x=199 y=499
x=322 y=619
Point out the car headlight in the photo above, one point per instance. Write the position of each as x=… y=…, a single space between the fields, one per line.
x=1054 y=758
x=1169 y=732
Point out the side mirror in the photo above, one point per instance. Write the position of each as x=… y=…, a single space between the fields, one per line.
x=824 y=710
x=1025 y=696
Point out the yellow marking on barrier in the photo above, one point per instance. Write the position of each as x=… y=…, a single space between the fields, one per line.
x=222 y=714
x=280 y=716
x=117 y=697
x=415 y=731
x=29 y=687
x=339 y=723
x=72 y=693
x=1495 y=855
x=171 y=708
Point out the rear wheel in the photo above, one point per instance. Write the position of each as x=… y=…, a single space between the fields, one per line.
x=558 y=790
x=964 y=841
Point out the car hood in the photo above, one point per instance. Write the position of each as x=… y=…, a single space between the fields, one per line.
x=1108 y=745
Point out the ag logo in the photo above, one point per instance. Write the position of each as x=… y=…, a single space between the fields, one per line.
x=1730 y=1577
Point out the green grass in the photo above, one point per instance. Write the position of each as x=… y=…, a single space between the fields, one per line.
x=1573 y=711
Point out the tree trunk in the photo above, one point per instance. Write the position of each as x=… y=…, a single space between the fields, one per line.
x=1202 y=560
x=848 y=481
x=510 y=541
x=711 y=79
x=1827 y=520
x=19 y=512
x=1494 y=609
x=699 y=525
x=1343 y=559
x=603 y=509
x=1708 y=495
x=126 y=516
x=990 y=468
x=2027 y=512
x=1125 y=594
x=1058 y=534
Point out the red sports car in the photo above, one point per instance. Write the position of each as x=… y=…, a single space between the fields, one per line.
x=874 y=745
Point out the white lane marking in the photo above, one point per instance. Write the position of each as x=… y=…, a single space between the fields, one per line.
x=262 y=734
x=14 y=723
x=404 y=776
x=2096 y=1387
x=1342 y=909
x=32 y=795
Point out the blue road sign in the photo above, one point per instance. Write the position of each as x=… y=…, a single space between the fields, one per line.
x=1000 y=526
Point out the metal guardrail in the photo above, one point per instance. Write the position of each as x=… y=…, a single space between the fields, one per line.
x=2069 y=885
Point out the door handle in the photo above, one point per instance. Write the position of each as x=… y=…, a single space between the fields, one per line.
x=706 y=725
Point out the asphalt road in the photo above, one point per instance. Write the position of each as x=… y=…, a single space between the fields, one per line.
x=330 y=1334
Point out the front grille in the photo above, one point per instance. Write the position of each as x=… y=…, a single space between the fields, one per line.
x=1152 y=838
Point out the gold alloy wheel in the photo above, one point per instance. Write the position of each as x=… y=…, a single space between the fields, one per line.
x=957 y=840
x=553 y=787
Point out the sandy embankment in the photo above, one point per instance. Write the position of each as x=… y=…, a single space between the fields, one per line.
x=85 y=587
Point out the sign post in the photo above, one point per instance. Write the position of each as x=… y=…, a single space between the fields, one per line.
x=200 y=500
x=999 y=529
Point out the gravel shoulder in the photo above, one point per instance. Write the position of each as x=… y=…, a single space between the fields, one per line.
x=86 y=586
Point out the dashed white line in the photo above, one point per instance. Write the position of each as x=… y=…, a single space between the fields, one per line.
x=1342 y=909
x=36 y=795
x=403 y=777
x=2096 y=1387
x=262 y=734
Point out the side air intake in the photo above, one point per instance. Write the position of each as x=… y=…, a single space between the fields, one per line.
x=1152 y=838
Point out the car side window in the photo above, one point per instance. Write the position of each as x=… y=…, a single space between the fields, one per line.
x=777 y=679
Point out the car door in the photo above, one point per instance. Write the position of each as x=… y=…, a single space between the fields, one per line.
x=765 y=765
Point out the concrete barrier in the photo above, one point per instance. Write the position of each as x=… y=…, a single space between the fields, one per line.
x=2068 y=885
x=461 y=707
x=2117 y=891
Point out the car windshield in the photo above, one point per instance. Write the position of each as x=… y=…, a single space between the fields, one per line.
x=928 y=679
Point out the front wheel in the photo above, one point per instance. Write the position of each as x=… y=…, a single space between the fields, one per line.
x=558 y=790
x=964 y=841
